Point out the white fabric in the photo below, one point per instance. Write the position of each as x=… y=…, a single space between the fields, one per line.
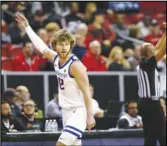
x=144 y=31
x=38 y=43
x=70 y=94
x=7 y=124
x=75 y=117
x=95 y=107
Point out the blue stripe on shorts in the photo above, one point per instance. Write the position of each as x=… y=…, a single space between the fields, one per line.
x=71 y=127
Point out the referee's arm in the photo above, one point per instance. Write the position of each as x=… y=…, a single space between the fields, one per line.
x=161 y=47
x=160 y=42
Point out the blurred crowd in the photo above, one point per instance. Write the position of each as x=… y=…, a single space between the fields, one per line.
x=105 y=40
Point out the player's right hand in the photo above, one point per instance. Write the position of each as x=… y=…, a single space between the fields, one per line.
x=20 y=18
x=90 y=121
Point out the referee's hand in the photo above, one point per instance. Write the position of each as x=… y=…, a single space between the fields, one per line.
x=164 y=24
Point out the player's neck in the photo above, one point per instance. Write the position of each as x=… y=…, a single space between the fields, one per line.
x=64 y=60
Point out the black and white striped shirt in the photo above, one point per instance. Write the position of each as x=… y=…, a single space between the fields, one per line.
x=148 y=82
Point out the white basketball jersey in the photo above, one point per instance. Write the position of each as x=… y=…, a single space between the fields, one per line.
x=69 y=93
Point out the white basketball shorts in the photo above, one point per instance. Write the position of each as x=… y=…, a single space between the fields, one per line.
x=74 y=123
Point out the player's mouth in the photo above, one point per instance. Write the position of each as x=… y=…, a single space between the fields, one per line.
x=63 y=52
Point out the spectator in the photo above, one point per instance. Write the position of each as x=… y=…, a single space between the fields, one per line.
x=100 y=31
x=116 y=61
x=38 y=21
x=23 y=95
x=97 y=111
x=128 y=53
x=17 y=33
x=120 y=27
x=9 y=95
x=42 y=33
x=80 y=49
x=155 y=33
x=26 y=61
x=134 y=60
x=51 y=28
x=89 y=10
x=130 y=119
x=53 y=108
x=74 y=18
x=144 y=26
x=133 y=33
x=93 y=60
x=9 y=123
x=74 y=13
x=28 y=117
x=82 y=29
x=5 y=36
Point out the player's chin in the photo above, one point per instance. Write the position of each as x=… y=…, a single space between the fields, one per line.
x=63 y=55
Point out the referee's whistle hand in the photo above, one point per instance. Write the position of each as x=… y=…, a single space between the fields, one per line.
x=164 y=24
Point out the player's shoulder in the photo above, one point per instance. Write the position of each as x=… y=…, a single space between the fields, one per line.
x=77 y=65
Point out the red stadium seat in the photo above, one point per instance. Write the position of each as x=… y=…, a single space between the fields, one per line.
x=6 y=63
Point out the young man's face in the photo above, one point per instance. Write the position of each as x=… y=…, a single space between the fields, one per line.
x=28 y=49
x=63 y=48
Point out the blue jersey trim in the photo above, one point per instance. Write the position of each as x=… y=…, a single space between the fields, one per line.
x=74 y=128
x=60 y=67
x=55 y=57
x=70 y=66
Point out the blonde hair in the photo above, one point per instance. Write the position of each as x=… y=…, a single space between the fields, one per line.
x=63 y=35
x=114 y=50
x=112 y=54
x=133 y=30
x=88 y=14
x=52 y=26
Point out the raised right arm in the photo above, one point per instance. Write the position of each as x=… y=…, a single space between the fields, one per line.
x=38 y=43
x=160 y=53
x=160 y=48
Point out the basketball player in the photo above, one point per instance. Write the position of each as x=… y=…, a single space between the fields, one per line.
x=74 y=96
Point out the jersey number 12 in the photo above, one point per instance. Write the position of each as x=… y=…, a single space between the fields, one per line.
x=61 y=83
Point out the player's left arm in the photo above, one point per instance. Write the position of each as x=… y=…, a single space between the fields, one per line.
x=78 y=70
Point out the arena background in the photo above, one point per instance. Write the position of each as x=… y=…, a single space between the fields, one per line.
x=108 y=85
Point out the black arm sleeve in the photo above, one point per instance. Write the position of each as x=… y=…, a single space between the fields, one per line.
x=149 y=63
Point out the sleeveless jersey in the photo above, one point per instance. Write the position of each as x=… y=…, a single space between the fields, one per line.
x=69 y=93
